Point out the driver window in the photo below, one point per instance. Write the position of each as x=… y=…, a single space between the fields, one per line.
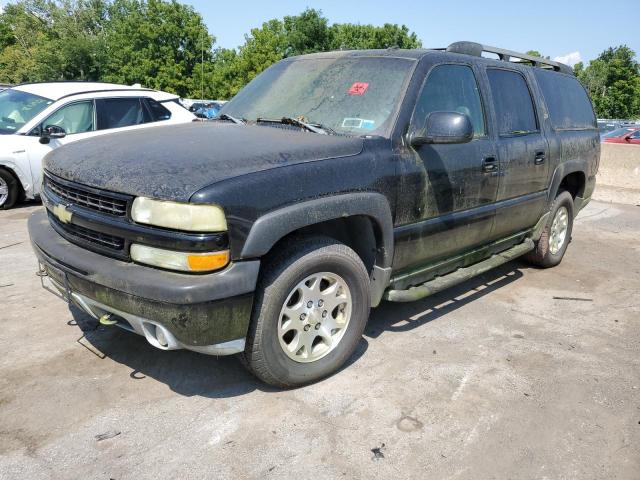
x=74 y=118
x=451 y=88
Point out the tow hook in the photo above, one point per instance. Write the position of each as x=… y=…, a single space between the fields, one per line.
x=106 y=320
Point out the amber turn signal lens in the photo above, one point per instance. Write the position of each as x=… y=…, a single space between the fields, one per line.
x=180 y=261
x=206 y=263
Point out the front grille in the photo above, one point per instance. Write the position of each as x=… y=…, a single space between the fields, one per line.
x=83 y=234
x=101 y=202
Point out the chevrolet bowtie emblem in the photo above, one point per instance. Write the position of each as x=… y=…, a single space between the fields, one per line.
x=61 y=212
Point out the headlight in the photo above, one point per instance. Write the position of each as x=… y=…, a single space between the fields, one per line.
x=183 y=261
x=179 y=216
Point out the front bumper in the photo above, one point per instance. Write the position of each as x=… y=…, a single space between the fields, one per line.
x=205 y=313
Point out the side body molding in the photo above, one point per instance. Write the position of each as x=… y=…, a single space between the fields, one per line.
x=271 y=227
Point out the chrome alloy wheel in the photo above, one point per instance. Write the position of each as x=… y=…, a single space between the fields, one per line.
x=314 y=317
x=4 y=191
x=559 y=228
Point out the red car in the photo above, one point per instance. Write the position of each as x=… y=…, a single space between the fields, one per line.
x=630 y=135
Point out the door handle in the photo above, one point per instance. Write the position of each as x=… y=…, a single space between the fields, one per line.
x=540 y=158
x=489 y=164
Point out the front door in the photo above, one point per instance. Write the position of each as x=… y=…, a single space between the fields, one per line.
x=452 y=203
x=78 y=121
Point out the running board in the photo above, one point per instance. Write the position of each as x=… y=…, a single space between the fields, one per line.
x=458 y=276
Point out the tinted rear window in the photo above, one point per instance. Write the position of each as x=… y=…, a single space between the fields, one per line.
x=158 y=112
x=568 y=104
x=512 y=100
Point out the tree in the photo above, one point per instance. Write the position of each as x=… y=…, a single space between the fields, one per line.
x=162 y=44
x=46 y=40
x=349 y=36
x=613 y=82
x=298 y=35
x=306 y=33
x=156 y=43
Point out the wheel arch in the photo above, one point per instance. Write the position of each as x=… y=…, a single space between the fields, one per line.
x=570 y=176
x=362 y=221
x=16 y=174
x=348 y=210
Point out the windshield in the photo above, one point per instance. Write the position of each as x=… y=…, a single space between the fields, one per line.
x=618 y=133
x=349 y=95
x=17 y=108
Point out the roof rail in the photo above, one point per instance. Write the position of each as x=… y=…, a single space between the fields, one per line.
x=476 y=49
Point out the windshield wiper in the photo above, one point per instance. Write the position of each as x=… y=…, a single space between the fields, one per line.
x=311 y=127
x=226 y=116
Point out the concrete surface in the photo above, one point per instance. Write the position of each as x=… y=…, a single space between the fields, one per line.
x=493 y=379
x=618 y=178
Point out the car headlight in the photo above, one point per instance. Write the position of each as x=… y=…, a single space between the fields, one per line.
x=178 y=216
x=182 y=261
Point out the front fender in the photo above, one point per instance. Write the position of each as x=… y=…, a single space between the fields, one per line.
x=273 y=226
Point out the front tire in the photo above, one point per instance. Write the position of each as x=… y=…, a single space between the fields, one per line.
x=9 y=189
x=311 y=307
x=555 y=238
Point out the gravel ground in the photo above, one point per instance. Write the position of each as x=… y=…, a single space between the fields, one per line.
x=521 y=373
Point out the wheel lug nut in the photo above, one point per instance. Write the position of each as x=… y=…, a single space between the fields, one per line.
x=324 y=314
x=303 y=316
x=307 y=327
x=309 y=304
x=317 y=326
x=320 y=303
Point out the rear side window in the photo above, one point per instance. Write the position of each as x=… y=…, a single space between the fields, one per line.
x=567 y=102
x=512 y=101
x=451 y=88
x=121 y=112
x=158 y=111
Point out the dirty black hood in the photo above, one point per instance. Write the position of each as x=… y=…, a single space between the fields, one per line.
x=175 y=161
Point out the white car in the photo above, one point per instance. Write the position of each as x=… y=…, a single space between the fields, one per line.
x=38 y=117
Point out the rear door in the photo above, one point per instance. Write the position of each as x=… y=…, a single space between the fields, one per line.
x=522 y=153
x=129 y=113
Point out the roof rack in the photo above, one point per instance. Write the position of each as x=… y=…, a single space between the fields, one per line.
x=477 y=49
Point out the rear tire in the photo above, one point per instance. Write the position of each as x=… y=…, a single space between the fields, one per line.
x=313 y=282
x=9 y=189
x=555 y=238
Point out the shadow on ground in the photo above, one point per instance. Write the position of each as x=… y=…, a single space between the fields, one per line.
x=392 y=317
x=192 y=374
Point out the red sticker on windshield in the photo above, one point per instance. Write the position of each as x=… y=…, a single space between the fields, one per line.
x=358 y=88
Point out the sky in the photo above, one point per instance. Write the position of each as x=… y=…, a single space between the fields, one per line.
x=567 y=30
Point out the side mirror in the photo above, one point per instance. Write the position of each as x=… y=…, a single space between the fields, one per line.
x=443 y=128
x=51 y=131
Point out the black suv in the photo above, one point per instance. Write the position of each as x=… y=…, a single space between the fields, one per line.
x=330 y=182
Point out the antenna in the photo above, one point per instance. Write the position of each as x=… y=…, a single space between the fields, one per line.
x=202 y=64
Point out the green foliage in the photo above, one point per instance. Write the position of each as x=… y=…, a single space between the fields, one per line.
x=298 y=35
x=45 y=40
x=349 y=36
x=155 y=43
x=162 y=44
x=613 y=82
